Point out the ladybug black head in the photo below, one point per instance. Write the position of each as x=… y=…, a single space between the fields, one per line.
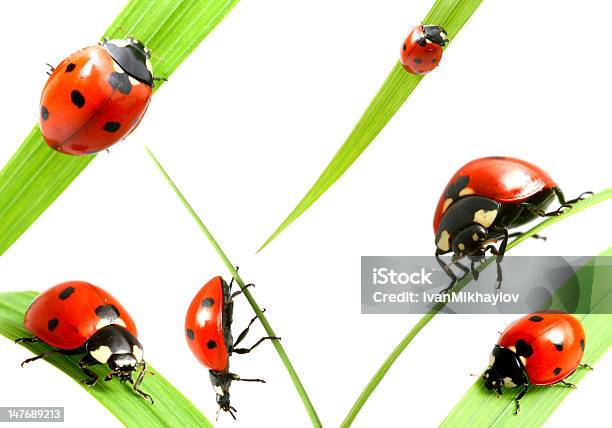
x=123 y=365
x=221 y=382
x=133 y=57
x=435 y=34
x=469 y=242
x=505 y=368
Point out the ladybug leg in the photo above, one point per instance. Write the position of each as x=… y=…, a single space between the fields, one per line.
x=517 y=404
x=535 y=236
x=561 y=197
x=52 y=69
x=27 y=340
x=244 y=332
x=585 y=366
x=237 y=293
x=446 y=268
x=234 y=376
x=136 y=385
x=568 y=384
x=247 y=350
x=43 y=355
x=85 y=362
x=541 y=213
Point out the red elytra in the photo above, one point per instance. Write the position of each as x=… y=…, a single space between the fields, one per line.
x=503 y=179
x=90 y=102
x=68 y=314
x=551 y=343
x=204 y=325
x=422 y=51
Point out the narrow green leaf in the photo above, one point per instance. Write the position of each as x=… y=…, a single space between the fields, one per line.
x=262 y=318
x=479 y=408
x=451 y=15
x=36 y=175
x=384 y=368
x=171 y=408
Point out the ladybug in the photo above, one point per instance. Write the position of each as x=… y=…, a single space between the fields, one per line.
x=77 y=317
x=538 y=349
x=422 y=50
x=96 y=97
x=208 y=333
x=483 y=200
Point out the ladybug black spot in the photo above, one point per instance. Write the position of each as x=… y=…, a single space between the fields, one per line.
x=211 y=344
x=418 y=60
x=557 y=370
x=404 y=47
x=52 y=324
x=44 y=113
x=77 y=98
x=523 y=348
x=433 y=60
x=108 y=312
x=66 y=292
x=536 y=318
x=121 y=82
x=190 y=334
x=111 y=126
x=70 y=67
x=207 y=302
x=559 y=346
x=582 y=344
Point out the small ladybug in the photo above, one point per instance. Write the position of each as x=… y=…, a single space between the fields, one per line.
x=538 y=349
x=96 y=97
x=422 y=50
x=483 y=200
x=208 y=332
x=76 y=317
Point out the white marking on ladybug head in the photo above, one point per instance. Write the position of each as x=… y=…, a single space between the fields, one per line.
x=485 y=218
x=461 y=246
x=446 y=204
x=491 y=360
x=137 y=352
x=486 y=375
x=523 y=360
x=508 y=382
x=466 y=191
x=444 y=241
x=512 y=348
x=117 y=68
x=475 y=237
x=119 y=321
x=218 y=390
x=148 y=63
x=102 y=354
x=133 y=81
x=103 y=322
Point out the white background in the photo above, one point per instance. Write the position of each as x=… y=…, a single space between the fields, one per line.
x=244 y=126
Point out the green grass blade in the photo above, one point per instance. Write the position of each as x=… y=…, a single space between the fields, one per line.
x=541 y=401
x=171 y=408
x=451 y=15
x=384 y=368
x=36 y=175
x=260 y=315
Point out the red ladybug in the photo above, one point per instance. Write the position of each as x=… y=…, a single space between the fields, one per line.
x=76 y=317
x=96 y=97
x=538 y=349
x=422 y=50
x=208 y=332
x=483 y=200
